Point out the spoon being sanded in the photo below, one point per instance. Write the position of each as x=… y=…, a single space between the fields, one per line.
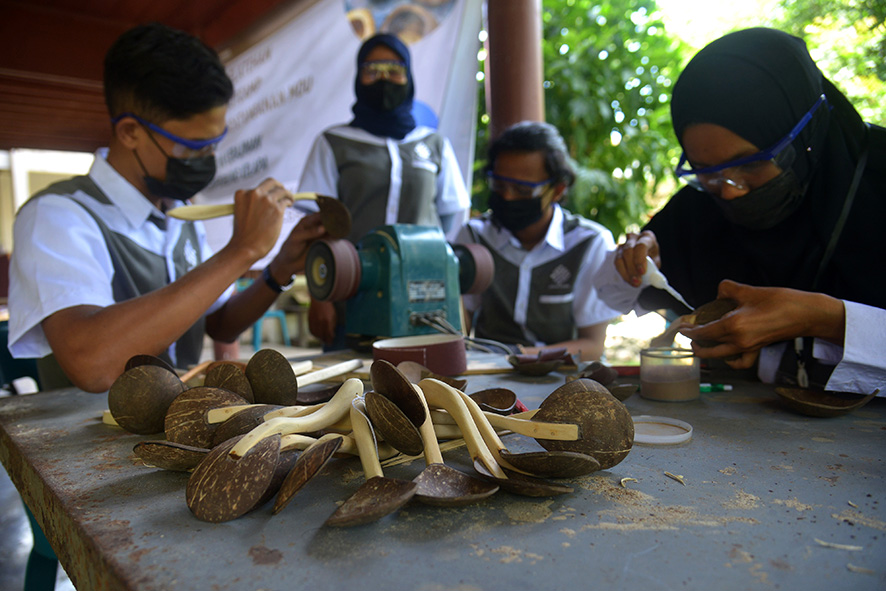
x=333 y=213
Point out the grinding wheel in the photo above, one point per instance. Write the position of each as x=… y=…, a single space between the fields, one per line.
x=333 y=270
x=476 y=267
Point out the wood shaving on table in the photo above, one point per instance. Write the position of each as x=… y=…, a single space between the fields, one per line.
x=859 y=569
x=837 y=546
x=677 y=477
x=623 y=480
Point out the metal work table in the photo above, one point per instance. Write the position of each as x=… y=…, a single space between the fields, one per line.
x=762 y=485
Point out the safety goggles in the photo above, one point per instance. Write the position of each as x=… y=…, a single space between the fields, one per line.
x=522 y=189
x=749 y=171
x=183 y=147
x=390 y=70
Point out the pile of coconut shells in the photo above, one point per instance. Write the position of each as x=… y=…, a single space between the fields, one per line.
x=246 y=437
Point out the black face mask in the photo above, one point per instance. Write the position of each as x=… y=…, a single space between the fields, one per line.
x=767 y=205
x=184 y=177
x=384 y=95
x=515 y=215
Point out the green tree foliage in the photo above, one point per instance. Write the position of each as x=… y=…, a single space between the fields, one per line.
x=847 y=39
x=609 y=68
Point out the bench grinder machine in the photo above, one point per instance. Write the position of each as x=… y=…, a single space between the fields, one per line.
x=400 y=280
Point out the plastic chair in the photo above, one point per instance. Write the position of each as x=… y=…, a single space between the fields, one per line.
x=40 y=573
x=257 y=328
x=279 y=315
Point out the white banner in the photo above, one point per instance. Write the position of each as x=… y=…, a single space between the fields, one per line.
x=299 y=81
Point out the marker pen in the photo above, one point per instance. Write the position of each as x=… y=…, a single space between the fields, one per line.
x=714 y=387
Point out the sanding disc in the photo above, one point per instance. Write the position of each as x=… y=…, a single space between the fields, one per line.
x=476 y=267
x=333 y=270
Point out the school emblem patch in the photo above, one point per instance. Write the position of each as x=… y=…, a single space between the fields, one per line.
x=560 y=276
x=422 y=151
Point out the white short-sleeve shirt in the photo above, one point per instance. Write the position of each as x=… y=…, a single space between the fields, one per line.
x=60 y=258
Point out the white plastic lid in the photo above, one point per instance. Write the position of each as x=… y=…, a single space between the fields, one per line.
x=660 y=430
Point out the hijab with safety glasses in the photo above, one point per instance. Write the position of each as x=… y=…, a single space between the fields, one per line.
x=811 y=227
x=384 y=106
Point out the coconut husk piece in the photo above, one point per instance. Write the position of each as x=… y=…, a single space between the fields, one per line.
x=817 y=403
x=186 y=419
x=168 y=455
x=230 y=376
x=141 y=396
x=308 y=464
x=606 y=425
x=710 y=312
x=222 y=488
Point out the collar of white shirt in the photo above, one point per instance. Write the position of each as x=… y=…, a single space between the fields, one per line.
x=553 y=237
x=134 y=206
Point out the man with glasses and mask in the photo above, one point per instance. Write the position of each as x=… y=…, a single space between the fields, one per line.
x=99 y=273
x=784 y=201
x=383 y=166
x=554 y=270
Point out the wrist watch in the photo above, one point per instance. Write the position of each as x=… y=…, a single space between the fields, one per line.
x=272 y=283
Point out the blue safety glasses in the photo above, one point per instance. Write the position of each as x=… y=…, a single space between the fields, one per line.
x=741 y=173
x=184 y=148
x=522 y=189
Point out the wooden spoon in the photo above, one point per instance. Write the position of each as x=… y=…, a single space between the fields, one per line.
x=441 y=395
x=521 y=423
x=222 y=488
x=416 y=372
x=501 y=401
x=534 y=368
x=392 y=424
x=439 y=484
x=239 y=423
x=309 y=463
x=394 y=408
x=274 y=378
x=521 y=484
x=241 y=419
x=606 y=425
x=378 y=496
x=333 y=213
x=332 y=411
x=559 y=463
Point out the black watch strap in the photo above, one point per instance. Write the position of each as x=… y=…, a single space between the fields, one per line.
x=272 y=283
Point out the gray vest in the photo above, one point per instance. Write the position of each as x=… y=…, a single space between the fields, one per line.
x=549 y=322
x=136 y=273
x=365 y=181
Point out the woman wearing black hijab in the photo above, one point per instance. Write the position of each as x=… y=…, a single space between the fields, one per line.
x=383 y=166
x=787 y=192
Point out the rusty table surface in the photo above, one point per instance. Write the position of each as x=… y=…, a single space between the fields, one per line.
x=767 y=495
